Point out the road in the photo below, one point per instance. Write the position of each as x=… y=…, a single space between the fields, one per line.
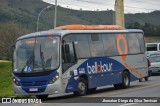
x=137 y=89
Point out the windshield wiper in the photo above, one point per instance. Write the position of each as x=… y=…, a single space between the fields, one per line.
x=29 y=61
x=42 y=57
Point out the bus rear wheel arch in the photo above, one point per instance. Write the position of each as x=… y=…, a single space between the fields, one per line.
x=125 y=81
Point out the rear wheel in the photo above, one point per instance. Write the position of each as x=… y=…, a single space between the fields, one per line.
x=125 y=81
x=43 y=97
x=82 y=87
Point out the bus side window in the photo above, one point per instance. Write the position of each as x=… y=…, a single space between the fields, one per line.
x=68 y=55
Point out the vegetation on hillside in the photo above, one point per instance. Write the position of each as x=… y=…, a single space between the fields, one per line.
x=18 y=17
x=25 y=12
x=149 y=29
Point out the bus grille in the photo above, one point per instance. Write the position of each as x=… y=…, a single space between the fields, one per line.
x=36 y=83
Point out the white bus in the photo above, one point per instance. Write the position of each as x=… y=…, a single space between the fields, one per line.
x=78 y=58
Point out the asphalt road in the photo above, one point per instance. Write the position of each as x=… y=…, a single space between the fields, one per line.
x=137 y=89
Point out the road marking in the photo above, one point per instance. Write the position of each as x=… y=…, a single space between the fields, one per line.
x=125 y=91
x=127 y=104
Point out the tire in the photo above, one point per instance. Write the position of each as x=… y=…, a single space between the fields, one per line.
x=43 y=97
x=146 y=78
x=125 y=81
x=82 y=87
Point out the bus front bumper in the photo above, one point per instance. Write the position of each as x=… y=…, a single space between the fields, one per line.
x=38 y=90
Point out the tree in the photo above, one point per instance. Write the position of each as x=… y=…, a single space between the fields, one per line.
x=9 y=32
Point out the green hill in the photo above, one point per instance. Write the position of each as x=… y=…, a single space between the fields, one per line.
x=25 y=12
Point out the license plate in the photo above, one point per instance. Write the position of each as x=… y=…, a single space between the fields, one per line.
x=33 y=89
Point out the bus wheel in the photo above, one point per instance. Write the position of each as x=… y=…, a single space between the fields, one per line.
x=125 y=80
x=82 y=87
x=43 y=97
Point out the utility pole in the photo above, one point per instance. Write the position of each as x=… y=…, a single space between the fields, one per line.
x=119 y=9
x=55 y=14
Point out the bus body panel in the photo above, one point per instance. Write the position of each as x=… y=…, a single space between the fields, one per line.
x=113 y=67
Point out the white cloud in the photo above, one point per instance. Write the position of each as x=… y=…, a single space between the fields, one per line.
x=132 y=6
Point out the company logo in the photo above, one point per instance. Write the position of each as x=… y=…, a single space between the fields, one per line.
x=13 y=100
x=6 y=100
x=99 y=68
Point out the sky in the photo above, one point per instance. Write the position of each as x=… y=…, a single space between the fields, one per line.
x=130 y=6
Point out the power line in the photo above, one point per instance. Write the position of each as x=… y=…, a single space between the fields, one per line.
x=147 y=2
x=113 y=5
x=156 y=0
x=90 y=7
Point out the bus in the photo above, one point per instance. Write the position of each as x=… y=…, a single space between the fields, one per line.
x=78 y=59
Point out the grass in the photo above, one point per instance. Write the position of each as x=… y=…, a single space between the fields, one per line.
x=6 y=88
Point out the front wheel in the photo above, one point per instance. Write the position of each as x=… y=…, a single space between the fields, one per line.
x=82 y=87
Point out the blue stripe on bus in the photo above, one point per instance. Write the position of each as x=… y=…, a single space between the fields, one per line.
x=100 y=72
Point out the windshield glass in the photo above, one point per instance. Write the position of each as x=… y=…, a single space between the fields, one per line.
x=154 y=59
x=37 y=54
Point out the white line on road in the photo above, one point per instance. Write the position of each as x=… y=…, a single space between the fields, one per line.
x=127 y=104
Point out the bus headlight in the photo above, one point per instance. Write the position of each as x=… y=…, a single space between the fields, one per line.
x=15 y=81
x=54 y=79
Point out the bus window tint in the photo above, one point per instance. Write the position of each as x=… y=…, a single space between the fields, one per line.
x=109 y=44
x=82 y=44
x=133 y=44
x=96 y=46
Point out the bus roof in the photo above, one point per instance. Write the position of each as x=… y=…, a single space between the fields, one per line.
x=63 y=30
x=90 y=27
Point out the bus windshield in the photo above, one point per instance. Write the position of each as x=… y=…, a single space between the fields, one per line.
x=37 y=54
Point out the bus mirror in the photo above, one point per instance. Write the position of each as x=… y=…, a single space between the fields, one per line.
x=67 y=48
x=12 y=47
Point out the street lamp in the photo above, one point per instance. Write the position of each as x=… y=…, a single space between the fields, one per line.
x=40 y=14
